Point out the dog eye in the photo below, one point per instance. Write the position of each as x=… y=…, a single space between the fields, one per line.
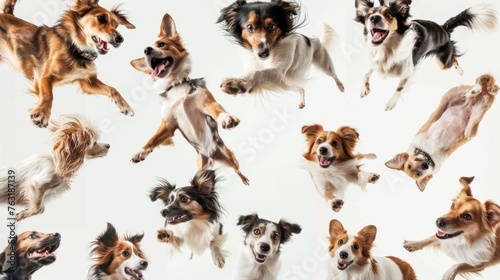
x=318 y=141
x=250 y=28
x=340 y=242
x=355 y=247
x=388 y=15
x=102 y=19
x=419 y=174
x=161 y=45
x=335 y=143
x=452 y=206
x=466 y=216
x=184 y=199
x=32 y=236
x=125 y=253
x=271 y=27
x=409 y=167
x=256 y=231
x=276 y=237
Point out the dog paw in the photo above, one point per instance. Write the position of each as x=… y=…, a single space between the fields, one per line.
x=165 y=235
x=337 y=204
x=391 y=104
x=125 y=109
x=22 y=215
x=365 y=93
x=302 y=104
x=373 y=178
x=411 y=246
x=227 y=121
x=340 y=86
x=140 y=156
x=219 y=259
x=40 y=117
x=234 y=86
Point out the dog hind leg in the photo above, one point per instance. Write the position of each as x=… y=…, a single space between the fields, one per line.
x=163 y=136
x=322 y=60
x=218 y=254
x=226 y=157
x=92 y=85
x=397 y=94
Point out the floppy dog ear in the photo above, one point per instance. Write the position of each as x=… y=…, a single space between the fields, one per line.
x=122 y=18
x=204 y=181
x=349 y=139
x=5 y=257
x=422 y=183
x=287 y=229
x=493 y=90
x=162 y=191
x=290 y=8
x=492 y=212
x=82 y=5
x=311 y=130
x=402 y=7
x=247 y=221
x=362 y=8
x=167 y=27
x=228 y=14
x=398 y=161
x=466 y=190
x=368 y=234
x=141 y=65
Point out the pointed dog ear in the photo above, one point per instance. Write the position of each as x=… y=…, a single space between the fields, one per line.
x=336 y=228
x=162 y=191
x=204 y=181
x=465 y=182
x=141 y=65
x=368 y=234
x=398 y=161
x=492 y=213
x=109 y=237
x=247 y=221
x=362 y=8
x=287 y=229
x=167 y=27
x=422 y=183
x=135 y=239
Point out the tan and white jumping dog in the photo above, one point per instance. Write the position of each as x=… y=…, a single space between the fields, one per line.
x=454 y=123
x=64 y=53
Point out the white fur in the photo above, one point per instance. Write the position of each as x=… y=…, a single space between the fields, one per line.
x=387 y=269
x=474 y=252
x=485 y=17
x=196 y=235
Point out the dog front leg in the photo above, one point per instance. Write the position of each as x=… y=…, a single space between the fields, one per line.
x=219 y=114
x=413 y=246
x=93 y=85
x=218 y=254
x=397 y=95
x=163 y=136
x=271 y=79
x=335 y=202
x=40 y=115
x=366 y=89
x=461 y=268
x=167 y=236
x=367 y=177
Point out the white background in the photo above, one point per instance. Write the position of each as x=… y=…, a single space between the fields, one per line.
x=267 y=145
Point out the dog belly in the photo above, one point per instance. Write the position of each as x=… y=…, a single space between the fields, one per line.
x=197 y=132
x=449 y=128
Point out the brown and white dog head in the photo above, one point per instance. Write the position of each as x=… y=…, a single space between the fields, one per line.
x=485 y=85
x=391 y=17
x=328 y=147
x=418 y=166
x=28 y=252
x=95 y=27
x=167 y=56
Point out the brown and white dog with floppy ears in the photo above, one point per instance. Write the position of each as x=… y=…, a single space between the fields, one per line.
x=187 y=103
x=45 y=176
x=64 y=53
x=454 y=123
x=351 y=257
x=26 y=253
x=332 y=162
x=469 y=233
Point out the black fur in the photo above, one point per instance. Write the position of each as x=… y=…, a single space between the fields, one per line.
x=285 y=14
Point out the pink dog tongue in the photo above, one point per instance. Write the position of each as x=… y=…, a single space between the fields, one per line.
x=440 y=233
x=158 y=69
x=323 y=161
x=377 y=36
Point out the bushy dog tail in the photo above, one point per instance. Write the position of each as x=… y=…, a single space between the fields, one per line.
x=329 y=37
x=478 y=17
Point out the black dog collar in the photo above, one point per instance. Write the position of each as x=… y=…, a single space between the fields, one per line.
x=187 y=80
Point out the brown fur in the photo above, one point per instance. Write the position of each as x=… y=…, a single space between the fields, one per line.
x=27 y=262
x=62 y=54
x=481 y=102
x=261 y=28
x=475 y=219
x=201 y=103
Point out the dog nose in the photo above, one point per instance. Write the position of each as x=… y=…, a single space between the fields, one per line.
x=323 y=150
x=264 y=247
x=375 y=19
x=107 y=146
x=264 y=53
x=440 y=223
x=343 y=255
x=56 y=234
x=144 y=264
x=425 y=166
x=148 y=50
x=119 y=39
x=163 y=213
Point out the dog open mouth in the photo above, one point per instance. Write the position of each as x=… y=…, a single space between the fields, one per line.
x=342 y=265
x=379 y=35
x=177 y=219
x=136 y=274
x=325 y=161
x=161 y=65
x=260 y=258
x=443 y=235
x=45 y=252
x=101 y=45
